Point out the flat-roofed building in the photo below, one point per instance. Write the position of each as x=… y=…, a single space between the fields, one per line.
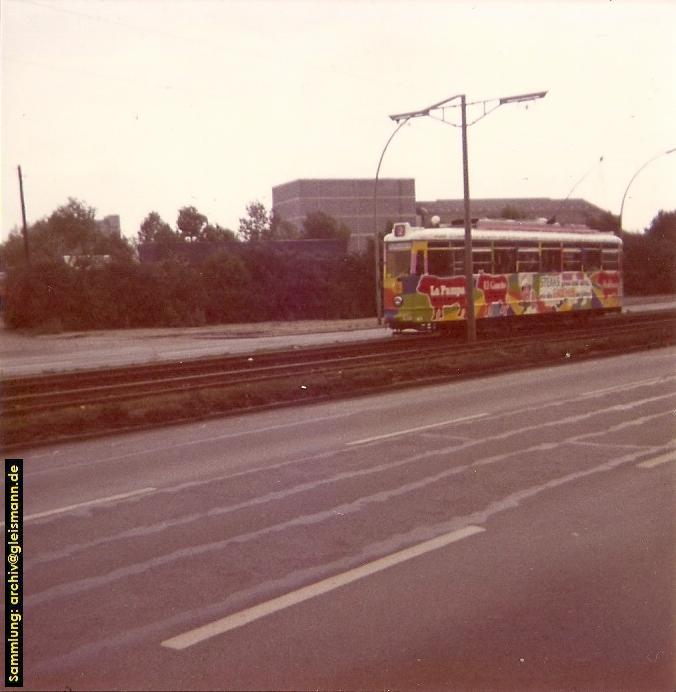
x=110 y=225
x=350 y=201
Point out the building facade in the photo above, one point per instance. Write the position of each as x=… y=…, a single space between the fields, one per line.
x=110 y=225
x=349 y=201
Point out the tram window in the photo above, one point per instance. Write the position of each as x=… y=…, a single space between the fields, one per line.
x=591 y=259
x=440 y=262
x=504 y=260
x=528 y=260
x=482 y=260
x=458 y=249
x=418 y=263
x=398 y=260
x=610 y=259
x=458 y=261
x=551 y=259
x=572 y=260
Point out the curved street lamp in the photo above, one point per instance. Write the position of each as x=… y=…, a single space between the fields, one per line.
x=633 y=177
x=401 y=119
x=376 y=239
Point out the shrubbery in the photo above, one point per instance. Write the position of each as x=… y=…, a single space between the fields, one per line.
x=650 y=259
x=264 y=283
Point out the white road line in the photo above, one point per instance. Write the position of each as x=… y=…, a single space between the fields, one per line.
x=413 y=430
x=626 y=386
x=80 y=505
x=243 y=617
x=657 y=461
x=187 y=443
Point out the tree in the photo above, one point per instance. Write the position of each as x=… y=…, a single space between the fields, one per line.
x=663 y=227
x=71 y=229
x=226 y=282
x=255 y=225
x=74 y=223
x=650 y=257
x=215 y=233
x=605 y=221
x=281 y=229
x=190 y=222
x=320 y=226
x=660 y=239
x=512 y=212
x=154 y=230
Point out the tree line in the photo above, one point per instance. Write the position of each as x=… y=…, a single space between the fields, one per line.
x=257 y=225
x=105 y=286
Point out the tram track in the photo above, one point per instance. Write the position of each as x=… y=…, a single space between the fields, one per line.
x=22 y=395
x=302 y=375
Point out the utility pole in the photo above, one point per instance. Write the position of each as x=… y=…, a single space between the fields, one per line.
x=442 y=105
x=469 y=278
x=23 y=218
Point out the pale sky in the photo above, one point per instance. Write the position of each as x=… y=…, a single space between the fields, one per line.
x=150 y=105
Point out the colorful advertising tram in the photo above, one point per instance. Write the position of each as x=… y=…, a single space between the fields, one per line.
x=519 y=268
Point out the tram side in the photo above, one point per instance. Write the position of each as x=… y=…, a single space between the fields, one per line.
x=520 y=269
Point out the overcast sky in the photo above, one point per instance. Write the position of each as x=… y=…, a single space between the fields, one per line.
x=150 y=105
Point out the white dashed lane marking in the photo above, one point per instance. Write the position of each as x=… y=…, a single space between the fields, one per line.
x=243 y=617
x=90 y=503
x=658 y=461
x=414 y=430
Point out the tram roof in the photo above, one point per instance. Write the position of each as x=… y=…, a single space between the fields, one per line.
x=506 y=230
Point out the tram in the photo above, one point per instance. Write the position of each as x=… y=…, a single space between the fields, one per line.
x=519 y=268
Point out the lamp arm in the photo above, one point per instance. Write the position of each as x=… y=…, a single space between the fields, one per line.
x=633 y=177
x=376 y=239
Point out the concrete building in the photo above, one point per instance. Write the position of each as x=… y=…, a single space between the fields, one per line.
x=110 y=225
x=349 y=201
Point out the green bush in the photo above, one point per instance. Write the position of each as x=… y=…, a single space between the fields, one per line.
x=41 y=294
x=650 y=258
x=262 y=283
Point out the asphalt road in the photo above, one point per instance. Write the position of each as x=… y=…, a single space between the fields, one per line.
x=514 y=532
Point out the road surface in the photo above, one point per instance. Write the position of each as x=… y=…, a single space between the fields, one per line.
x=514 y=532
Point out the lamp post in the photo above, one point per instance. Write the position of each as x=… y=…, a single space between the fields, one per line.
x=23 y=218
x=376 y=234
x=633 y=177
x=402 y=118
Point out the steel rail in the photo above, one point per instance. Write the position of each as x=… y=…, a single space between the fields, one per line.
x=128 y=377
x=106 y=375
x=323 y=363
x=99 y=377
